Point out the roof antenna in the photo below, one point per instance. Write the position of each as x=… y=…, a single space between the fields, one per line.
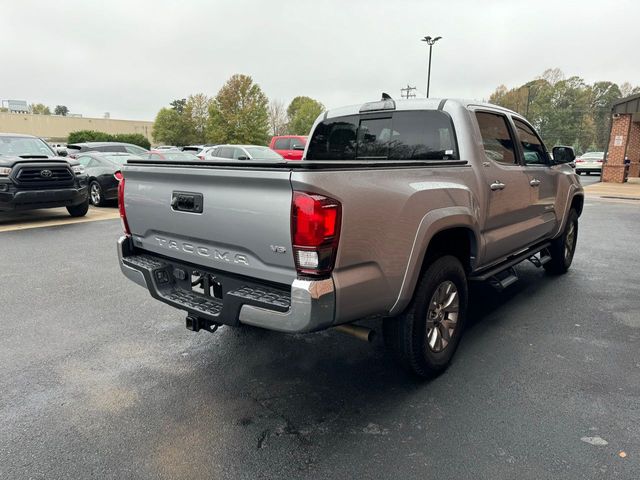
x=386 y=96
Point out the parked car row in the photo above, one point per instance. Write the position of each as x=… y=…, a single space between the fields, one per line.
x=288 y=147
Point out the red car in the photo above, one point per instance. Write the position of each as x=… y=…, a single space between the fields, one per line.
x=291 y=147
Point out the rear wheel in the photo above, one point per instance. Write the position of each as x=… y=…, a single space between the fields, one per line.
x=424 y=338
x=79 y=210
x=95 y=194
x=563 y=248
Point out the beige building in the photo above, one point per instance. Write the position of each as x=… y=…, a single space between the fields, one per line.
x=57 y=128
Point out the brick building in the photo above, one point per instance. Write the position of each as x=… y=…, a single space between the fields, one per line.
x=624 y=140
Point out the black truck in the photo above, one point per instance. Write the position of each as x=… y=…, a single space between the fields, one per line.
x=33 y=176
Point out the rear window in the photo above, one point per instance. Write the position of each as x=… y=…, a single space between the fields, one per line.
x=412 y=135
x=282 y=144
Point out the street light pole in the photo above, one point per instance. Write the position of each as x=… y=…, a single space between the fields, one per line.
x=430 y=41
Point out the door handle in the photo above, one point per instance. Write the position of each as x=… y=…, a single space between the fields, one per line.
x=534 y=182
x=497 y=185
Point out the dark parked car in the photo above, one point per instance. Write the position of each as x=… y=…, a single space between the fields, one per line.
x=74 y=149
x=101 y=168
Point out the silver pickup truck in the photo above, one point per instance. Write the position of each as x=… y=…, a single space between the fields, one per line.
x=395 y=207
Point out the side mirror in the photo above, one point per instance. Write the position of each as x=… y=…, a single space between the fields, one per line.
x=563 y=155
x=298 y=147
x=62 y=152
x=243 y=157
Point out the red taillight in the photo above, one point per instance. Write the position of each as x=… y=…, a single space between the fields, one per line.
x=315 y=231
x=579 y=160
x=123 y=213
x=201 y=157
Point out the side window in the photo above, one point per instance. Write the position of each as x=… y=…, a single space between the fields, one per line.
x=296 y=142
x=135 y=150
x=84 y=160
x=496 y=139
x=238 y=152
x=282 y=144
x=226 y=152
x=534 y=153
x=374 y=136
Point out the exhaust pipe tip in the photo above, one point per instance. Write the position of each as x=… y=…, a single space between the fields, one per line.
x=361 y=333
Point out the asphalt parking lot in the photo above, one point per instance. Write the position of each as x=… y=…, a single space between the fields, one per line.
x=100 y=380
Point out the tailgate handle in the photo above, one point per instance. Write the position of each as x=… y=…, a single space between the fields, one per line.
x=186 y=202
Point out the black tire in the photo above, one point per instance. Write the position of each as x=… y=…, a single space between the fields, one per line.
x=407 y=335
x=563 y=248
x=79 y=210
x=99 y=200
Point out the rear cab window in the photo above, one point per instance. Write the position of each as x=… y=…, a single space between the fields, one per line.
x=397 y=135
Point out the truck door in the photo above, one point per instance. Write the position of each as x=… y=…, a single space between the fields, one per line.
x=543 y=180
x=508 y=217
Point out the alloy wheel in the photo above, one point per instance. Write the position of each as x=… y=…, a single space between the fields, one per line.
x=442 y=317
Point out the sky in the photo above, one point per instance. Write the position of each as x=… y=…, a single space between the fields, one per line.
x=132 y=57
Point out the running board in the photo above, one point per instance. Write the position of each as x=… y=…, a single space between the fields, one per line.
x=510 y=262
x=504 y=279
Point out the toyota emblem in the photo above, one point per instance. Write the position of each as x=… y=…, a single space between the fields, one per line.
x=46 y=173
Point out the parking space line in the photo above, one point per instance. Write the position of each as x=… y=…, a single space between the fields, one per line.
x=51 y=218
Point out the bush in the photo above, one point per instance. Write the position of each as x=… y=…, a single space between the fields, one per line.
x=93 y=136
x=89 y=136
x=134 y=138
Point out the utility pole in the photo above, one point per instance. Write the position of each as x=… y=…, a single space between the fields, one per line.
x=408 y=91
x=430 y=41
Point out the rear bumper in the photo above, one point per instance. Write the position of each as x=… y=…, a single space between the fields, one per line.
x=30 y=199
x=304 y=306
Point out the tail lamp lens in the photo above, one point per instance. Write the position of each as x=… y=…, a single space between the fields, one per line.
x=123 y=213
x=315 y=231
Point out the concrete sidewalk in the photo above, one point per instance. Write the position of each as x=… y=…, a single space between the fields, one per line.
x=626 y=191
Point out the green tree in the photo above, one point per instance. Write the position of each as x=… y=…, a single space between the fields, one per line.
x=564 y=110
x=179 y=105
x=302 y=112
x=170 y=127
x=61 y=110
x=196 y=113
x=39 y=109
x=238 y=114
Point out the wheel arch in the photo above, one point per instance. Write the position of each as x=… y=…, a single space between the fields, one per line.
x=447 y=231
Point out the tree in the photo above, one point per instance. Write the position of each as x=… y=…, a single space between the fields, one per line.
x=170 y=127
x=277 y=118
x=61 y=110
x=626 y=90
x=196 y=113
x=179 y=105
x=39 y=109
x=302 y=112
x=239 y=113
x=564 y=110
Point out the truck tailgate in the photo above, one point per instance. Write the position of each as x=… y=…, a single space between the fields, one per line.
x=244 y=227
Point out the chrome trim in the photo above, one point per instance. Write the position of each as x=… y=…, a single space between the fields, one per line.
x=312 y=308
